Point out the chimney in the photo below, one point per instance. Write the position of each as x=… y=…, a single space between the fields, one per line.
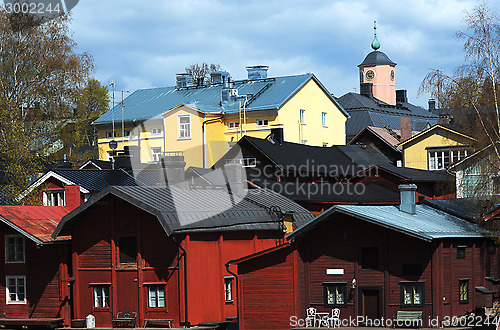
x=407 y=193
x=405 y=128
x=432 y=105
x=235 y=174
x=72 y=197
x=172 y=168
x=366 y=89
x=256 y=72
x=278 y=135
x=401 y=96
x=220 y=77
x=184 y=80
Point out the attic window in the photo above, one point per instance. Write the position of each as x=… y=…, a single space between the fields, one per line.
x=461 y=251
x=128 y=250
x=53 y=198
x=262 y=122
x=184 y=127
x=233 y=125
x=14 y=248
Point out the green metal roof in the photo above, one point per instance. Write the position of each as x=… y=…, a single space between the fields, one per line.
x=263 y=94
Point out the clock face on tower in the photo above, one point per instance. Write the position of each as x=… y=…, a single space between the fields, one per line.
x=392 y=75
x=370 y=74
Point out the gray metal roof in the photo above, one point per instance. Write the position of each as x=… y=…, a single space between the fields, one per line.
x=209 y=210
x=427 y=224
x=266 y=94
x=377 y=58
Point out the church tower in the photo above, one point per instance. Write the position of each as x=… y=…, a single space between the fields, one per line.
x=379 y=71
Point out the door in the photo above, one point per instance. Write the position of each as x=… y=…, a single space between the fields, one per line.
x=370 y=305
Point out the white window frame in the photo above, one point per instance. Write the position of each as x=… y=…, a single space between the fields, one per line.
x=233 y=125
x=110 y=135
x=304 y=142
x=8 y=293
x=155 y=293
x=228 y=289
x=262 y=122
x=7 y=249
x=155 y=154
x=50 y=197
x=183 y=130
x=438 y=156
x=323 y=119
x=129 y=133
x=155 y=131
x=101 y=295
x=302 y=117
x=244 y=162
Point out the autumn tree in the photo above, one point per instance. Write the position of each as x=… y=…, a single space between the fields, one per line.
x=40 y=77
x=201 y=72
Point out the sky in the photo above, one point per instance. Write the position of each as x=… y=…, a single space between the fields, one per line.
x=144 y=44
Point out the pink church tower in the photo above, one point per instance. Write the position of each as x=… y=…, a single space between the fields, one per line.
x=379 y=71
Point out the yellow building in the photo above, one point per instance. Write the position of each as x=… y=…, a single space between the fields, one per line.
x=436 y=148
x=205 y=121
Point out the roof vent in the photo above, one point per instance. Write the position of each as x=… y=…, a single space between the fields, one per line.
x=407 y=193
x=256 y=72
x=184 y=80
x=219 y=77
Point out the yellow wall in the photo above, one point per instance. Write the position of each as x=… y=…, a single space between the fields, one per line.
x=415 y=152
x=314 y=101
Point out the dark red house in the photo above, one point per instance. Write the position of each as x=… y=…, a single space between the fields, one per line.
x=371 y=262
x=161 y=251
x=34 y=289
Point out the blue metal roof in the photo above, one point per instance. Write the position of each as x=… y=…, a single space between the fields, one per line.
x=428 y=223
x=269 y=93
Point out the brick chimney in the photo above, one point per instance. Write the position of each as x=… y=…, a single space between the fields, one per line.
x=405 y=128
x=72 y=197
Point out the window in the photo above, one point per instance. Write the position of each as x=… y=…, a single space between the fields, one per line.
x=156 y=296
x=440 y=159
x=334 y=294
x=412 y=293
x=129 y=133
x=302 y=117
x=183 y=126
x=461 y=251
x=16 y=289
x=369 y=257
x=245 y=162
x=53 y=198
x=128 y=250
x=14 y=248
x=110 y=135
x=155 y=154
x=303 y=142
x=463 y=291
x=233 y=125
x=325 y=144
x=101 y=296
x=155 y=131
x=228 y=288
x=262 y=122
x=323 y=119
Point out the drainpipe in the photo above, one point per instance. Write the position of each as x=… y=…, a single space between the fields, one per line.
x=186 y=322
x=203 y=128
x=237 y=297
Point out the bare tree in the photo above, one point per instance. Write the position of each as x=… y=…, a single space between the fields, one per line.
x=201 y=72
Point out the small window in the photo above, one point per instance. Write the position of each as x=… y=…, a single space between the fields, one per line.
x=325 y=144
x=129 y=133
x=461 y=251
x=369 y=257
x=492 y=249
x=233 y=125
x=184 y=126
x=228 y=288
x=463 y=291
x=156 y=131
x=323 y=119
x=262 y=122
x=16 y=289
x=303 y=142
x=14 y=248
x=128 y=250
x=302 y=117
x=101 y=296
x=156 y=296
x=245 y=162
x=110 y=135
x=53 y=198
x=155 y=154
x=412 y=294
x=334 y=294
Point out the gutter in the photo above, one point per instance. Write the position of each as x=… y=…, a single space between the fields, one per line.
x=186 y=322
x=204 y=134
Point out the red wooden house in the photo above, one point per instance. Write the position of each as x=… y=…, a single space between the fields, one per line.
x=161 y=251
x=371 y=262
x=33 y=290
